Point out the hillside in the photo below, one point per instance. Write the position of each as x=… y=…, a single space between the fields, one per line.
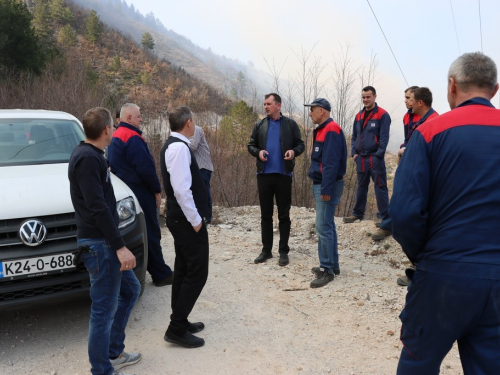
x=95 y=65
x=231 y=76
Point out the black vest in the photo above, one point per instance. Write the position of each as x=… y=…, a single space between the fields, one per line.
x=198 y=188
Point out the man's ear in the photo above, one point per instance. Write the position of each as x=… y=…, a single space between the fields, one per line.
x=495 y=90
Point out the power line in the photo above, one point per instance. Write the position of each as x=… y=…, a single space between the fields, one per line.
x=480 y=28
x=401 y=70
x=455 y=24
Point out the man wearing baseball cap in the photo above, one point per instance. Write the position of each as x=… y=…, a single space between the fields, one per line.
x=328 y=166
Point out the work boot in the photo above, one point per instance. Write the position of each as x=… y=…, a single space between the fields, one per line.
x=351 y=219
x=380 y=234
x=403 y=281
x=378 y=222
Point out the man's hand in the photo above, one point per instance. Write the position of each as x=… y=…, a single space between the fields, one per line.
x=263 y=155
x=158 y=200
x=400 y=153
x=198 y=227
x=325 y=198
x=289 y=155
x=354 y=157
x=126 y=258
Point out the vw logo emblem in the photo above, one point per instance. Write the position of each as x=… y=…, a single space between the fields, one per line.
x=32 y=232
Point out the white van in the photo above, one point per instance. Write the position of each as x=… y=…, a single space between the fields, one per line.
x=37 y=219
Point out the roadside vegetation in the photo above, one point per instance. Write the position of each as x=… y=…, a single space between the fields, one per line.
x=57 y=55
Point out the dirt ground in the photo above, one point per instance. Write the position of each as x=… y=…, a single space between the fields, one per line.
x=260 y=319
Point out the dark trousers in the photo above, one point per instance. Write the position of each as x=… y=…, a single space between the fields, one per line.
x=442 y=309
x=157 y=267
x=207 y=175
x=379 y=178
x=275 y=186
x=190 y=270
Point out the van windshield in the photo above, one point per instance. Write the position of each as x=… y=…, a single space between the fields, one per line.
x=38 y=141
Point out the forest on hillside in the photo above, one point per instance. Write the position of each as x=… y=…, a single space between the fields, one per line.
x=56 y=55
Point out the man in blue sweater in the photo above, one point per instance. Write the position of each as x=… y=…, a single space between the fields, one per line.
x=328 y=166
x=131 y=160
x=275 y=143
x=444 y=214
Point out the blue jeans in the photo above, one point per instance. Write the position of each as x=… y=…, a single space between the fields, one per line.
x=328 y=251
x=113 y=295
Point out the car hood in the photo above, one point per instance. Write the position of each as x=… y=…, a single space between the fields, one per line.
x=42 y=189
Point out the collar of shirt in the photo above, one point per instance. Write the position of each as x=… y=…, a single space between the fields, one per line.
x=97 y=149
x=128 y=126
x=481 y=101
x=180 y=136
x=278 y=119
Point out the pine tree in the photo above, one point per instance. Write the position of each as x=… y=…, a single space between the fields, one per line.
x=60 y=12
x=93 y=27
x=20 y=48
x=116 y=63
x=67 y=36
x=147 y=41
x=41 y=19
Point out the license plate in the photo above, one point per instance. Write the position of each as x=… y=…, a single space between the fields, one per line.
x=36 y=266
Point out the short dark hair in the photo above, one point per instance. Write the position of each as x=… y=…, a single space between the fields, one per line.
x=117 y=114
x=411 y=89
x=95 y=121
x=423 y=94
x=370 y=88
x=275 y=96
x=178 y=117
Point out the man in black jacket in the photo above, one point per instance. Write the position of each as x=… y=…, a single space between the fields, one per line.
x=275 y=142
x=114 y=288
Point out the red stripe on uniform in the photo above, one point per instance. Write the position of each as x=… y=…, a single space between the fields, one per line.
x=469 y=115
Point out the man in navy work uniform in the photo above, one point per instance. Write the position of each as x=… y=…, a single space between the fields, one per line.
x=370 y=136
x=409 y=119
x=275 y=143
x=327 y=170
x=444 y=214
x=131 y=160
x=114 y=288
x=421 y=104
x=187 y=205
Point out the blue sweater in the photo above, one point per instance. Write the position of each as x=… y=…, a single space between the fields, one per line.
x=446 y=202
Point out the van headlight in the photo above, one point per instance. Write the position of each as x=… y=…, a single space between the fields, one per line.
x=126 y=212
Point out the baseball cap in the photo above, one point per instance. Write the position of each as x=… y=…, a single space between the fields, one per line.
x=320 y=102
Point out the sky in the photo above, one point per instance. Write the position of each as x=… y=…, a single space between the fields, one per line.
x=425 y=37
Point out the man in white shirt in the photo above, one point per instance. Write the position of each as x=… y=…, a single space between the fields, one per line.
x=187 y=204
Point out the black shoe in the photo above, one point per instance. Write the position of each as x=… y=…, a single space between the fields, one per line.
x=263 y=257
x=195 y=327
x=336 y=269
x=187 y=340
x=317 y=270
x=323 y=279
x=351 y=219
x=168 y=281
x=283 y=260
